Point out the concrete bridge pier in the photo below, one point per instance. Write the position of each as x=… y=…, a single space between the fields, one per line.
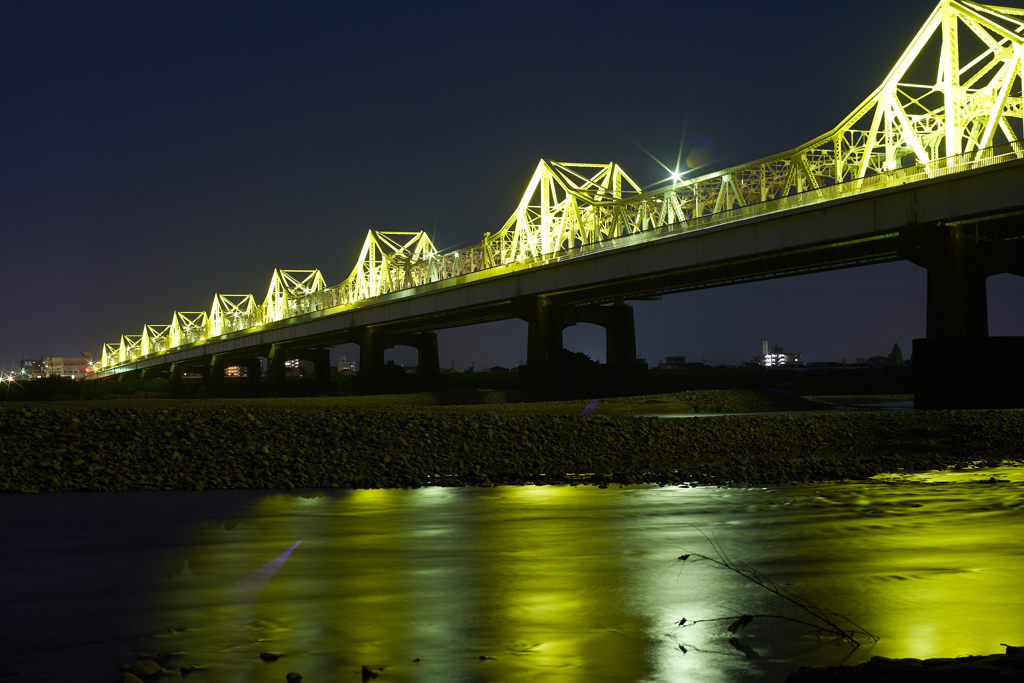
x=150 y=374
x=179 y=368
x=428 y=363
x=957 y=365
x=546 y=321
x=546 y=374
x=321 y=359
x=253 y=369
x=279 y=353
x=213 y=374
x=372 y=345
x=620 y=334
x=174 y=376
x=275 y=363
x=375 y=377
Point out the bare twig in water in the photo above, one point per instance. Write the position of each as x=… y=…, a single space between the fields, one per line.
x=824 y=621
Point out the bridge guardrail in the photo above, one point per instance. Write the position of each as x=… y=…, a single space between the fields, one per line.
x=329 y=298
x=887 y=179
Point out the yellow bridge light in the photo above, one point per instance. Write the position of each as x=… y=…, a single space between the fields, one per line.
x=567 y=205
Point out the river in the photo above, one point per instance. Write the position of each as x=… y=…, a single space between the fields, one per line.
x=531 y=583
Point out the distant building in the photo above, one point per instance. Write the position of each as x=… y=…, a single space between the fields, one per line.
x=346 y=365
x=32 y=368
x=74 y=367
x=498 y=368
x=298 y=368
x=775 y=357
x=673 y=363
x=243 y=371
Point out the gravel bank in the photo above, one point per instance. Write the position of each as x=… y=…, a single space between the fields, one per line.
x=978 y=668
x=386 y=442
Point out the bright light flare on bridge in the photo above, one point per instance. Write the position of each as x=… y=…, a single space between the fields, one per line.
x=899 y=134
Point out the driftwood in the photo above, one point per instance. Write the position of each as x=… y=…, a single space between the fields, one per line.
x=822 y=621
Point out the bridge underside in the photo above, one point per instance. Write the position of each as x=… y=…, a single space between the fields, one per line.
x=961 y=228
x=931 y=171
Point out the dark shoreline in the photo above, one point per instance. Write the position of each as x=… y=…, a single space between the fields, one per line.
x=285 y=444
x=997 y=667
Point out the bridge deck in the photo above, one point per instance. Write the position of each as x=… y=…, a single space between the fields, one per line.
x=747 y=245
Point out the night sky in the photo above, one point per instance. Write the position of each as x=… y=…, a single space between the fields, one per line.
x=152 y=154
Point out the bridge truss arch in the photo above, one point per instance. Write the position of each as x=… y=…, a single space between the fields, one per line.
x=967 y=113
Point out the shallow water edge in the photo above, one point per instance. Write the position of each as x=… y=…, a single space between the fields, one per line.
x=549 y=583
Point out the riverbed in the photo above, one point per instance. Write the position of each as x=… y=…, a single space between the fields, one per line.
x=512 y=583
x=109 y=446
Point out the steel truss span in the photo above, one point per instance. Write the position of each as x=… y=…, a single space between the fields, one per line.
x=970 y=116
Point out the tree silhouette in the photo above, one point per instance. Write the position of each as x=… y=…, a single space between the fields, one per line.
x=896 y=356
x=575 y=358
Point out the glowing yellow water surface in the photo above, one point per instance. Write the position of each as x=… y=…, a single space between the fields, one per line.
x=580 y=584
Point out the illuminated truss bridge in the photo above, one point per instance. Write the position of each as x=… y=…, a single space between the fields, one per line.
x=970 y=116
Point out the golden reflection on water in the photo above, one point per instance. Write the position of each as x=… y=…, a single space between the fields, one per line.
x=576 y=583
x=933 y=566
x=552 y=589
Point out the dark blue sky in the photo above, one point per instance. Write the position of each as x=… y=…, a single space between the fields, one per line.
x=152 y=154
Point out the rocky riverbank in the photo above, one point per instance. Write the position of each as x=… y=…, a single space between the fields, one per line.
x=399 y=442
x=1004 y=667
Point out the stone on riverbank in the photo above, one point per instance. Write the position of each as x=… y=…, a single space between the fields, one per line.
x=979 y=668
x=299 y=443
x=144 y=668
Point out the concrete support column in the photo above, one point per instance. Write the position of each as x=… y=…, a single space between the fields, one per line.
x=321 y=364
x=545 y=375
x=957 y=300
x=372 y=345
x=253 y=370
x=428 y=360
x=957 y=306
x=177 y=370
x=275 y=363
x=957 y=365
x=425 y=343
x=620 y=334
x=372 y=375
x=546 y=322
x=213 y=374
x=149 y=374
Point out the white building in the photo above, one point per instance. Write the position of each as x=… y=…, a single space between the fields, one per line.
x=775 y=357
x=298 y=368
x=74 y=367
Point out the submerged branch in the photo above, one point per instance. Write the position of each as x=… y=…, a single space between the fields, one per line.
x=745 y=619
x=824 y=621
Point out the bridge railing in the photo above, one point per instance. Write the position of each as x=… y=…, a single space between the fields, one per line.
x=192 y=328
x=571 y=209
x=444 y=266
x=945 y=166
